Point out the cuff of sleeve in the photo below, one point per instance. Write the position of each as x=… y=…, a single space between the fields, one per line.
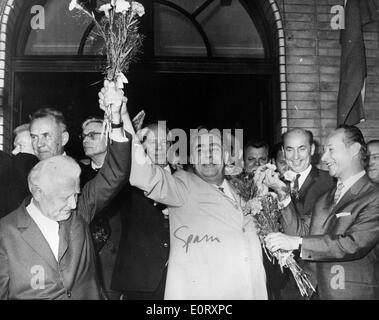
x=118 y=135
x=286 y=201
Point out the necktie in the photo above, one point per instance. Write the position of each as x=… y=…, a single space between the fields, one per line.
x=295 y=190
x=221 y=189
x=337 y=194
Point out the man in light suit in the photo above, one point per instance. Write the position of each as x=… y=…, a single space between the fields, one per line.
x=309 y=185
x=215 y=252
x=342 y=236
x=46 y=250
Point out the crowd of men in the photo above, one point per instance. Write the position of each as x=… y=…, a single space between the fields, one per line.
x=124 y=223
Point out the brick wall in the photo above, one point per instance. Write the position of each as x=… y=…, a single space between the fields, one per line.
x=313 y=59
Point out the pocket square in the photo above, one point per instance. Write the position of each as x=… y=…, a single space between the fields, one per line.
x=343 y=214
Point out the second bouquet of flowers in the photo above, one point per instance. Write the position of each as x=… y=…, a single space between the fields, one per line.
x=265 y=208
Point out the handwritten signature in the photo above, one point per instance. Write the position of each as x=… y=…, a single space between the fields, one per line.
x=192 y=239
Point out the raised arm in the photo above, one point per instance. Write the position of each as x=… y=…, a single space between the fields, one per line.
x=115 y=171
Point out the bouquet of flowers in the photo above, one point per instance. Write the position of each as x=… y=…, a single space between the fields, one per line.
x=265 y=208
x=117 y=22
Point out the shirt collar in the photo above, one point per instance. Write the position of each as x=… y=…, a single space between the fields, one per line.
x=94 y=166
x=38 y=216
x=304 y=175
x=348 y=183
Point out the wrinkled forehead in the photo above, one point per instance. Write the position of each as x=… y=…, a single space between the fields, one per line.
x=45 y=124
x=373 y=147
x=95 y=126
x=61 y=184
x=206 y=140
x=296 y=138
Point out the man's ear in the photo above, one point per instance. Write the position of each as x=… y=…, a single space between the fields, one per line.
x=313 y=148
x=65 y=137
x=36 y=192
x=355 y=148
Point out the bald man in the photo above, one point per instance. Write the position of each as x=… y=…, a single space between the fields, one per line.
x=299 y=147
x=46 y=250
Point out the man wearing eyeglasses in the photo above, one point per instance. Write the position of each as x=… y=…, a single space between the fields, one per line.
x=373 y=163
x=105 y=228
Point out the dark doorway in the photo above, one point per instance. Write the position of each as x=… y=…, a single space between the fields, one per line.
x=184 y=100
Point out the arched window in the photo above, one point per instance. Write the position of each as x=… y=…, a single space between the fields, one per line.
x=183 y=28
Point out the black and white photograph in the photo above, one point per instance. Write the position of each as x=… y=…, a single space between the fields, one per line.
x=189 y=153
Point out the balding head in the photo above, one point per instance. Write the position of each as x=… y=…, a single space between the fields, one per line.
x=54 y=184
x=298 y=149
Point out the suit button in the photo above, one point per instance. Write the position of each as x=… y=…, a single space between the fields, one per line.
x=165 y=245
x=69 y=294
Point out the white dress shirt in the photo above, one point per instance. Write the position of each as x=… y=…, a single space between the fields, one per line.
x=348 y=183
x=48 y=227
x=225 y=189
x=303 y=176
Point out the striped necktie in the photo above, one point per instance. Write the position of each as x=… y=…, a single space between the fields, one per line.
x=338 y=192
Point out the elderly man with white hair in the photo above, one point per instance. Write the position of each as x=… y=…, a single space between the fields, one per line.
x=46 y=250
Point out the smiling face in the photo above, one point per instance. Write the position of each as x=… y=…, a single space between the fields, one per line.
x=339 y=157
x=208 y=158
x=298 y=150
x=373 y=166
x=48 y=138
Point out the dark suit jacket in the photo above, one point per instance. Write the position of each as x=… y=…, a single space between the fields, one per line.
x=343 y=241
x=144 y=244
x=5 y=178
x=316 y=184
x=22 y=163
x=28 y=268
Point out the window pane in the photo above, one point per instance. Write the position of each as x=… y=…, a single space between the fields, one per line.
x=175 y=35
x=94 y=44
x=231 y=31
x=62 y=33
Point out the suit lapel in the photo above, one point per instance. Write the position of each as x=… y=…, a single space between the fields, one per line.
x=346 y=198
x=33 y=236
x=63 y=241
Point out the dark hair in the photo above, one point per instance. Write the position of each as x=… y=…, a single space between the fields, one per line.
x=307 y=133
x=91 y=120
x=257 y=144
x=374 y=141
x=48 y=112
x=353 y=135
x=275 y=150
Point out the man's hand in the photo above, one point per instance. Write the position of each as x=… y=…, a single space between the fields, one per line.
x=110 y=95
x=273 y=181
x=277 y=240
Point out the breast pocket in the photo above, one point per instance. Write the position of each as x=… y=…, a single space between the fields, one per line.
x=343 y=223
